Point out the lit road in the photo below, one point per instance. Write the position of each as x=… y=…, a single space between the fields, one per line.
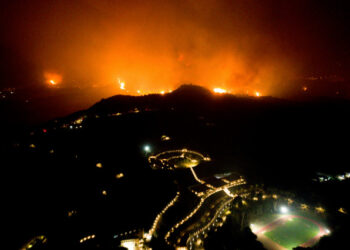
x=205 y=228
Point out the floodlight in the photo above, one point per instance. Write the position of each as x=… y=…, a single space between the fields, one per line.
x=284 y=210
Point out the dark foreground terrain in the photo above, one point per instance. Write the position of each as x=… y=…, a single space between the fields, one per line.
x=60 y=179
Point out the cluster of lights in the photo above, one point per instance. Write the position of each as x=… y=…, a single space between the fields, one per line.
x=87 y=238
x=125 y=233
x=177 y=225
x=71 y=213
x=342 y=177
x=339 y=177
x=158 y=217
x=164 y=160
x=75 y=124
x=302 y=206
x=132 y=244
x=120 y=175
x=75 y=127
x=208 y=194
x=208 y=225
x=79 y=120
x=165 y=138
x=7 y=92
x=133 y=111
x=212 y=189
x=34 y=241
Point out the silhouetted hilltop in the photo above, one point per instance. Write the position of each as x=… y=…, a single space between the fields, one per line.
x=185 y=97
x=189 y=90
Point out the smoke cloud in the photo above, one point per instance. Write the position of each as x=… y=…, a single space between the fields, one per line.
x=153 y=46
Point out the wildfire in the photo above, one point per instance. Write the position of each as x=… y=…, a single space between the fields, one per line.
x=257 y=94
x=122 y=85
x=220 y=90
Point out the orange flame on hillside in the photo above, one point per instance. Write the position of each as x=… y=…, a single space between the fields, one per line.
x=52 y=78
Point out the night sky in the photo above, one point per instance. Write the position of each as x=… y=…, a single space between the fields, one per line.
x=95 y=49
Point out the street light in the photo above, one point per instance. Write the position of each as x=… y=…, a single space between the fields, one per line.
x=147 y=148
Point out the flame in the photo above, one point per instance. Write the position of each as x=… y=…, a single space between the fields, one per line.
x=52 y=78
x=122 y=85
x=181 y=44
x=257 y=94
x=219 y=90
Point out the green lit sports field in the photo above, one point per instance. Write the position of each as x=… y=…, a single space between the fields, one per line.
x=293 y=232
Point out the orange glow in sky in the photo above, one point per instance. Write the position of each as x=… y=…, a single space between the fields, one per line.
x=170 y=48
x=152 y=46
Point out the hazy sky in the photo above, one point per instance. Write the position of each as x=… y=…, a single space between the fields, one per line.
x=244 y=46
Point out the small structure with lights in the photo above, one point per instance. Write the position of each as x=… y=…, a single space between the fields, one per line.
x=172 y=159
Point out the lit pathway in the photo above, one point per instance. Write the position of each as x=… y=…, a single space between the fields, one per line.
x=196 y=177
x=206 y=227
